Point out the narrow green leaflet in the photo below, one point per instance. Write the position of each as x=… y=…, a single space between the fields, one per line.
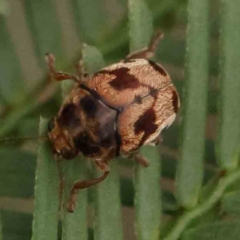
x=140 y=24
x=190 y=169
x=108 y=222
x=147 y=181
x=45 y=218
x=92 y=59
x=75 y=224
x=148 y=195
x=229 y=120
x=12 y=89
x=229 y=230
x=45 y=28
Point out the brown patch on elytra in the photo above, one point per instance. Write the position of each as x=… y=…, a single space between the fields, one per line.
x=146 y=123
x=158 y=68
x=175 y=101
x=123 y=79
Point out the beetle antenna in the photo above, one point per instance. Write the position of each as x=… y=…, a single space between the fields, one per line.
x=8 y=140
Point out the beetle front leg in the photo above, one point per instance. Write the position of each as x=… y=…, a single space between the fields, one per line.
x=58 y=75
x=86 y=183
x=149 y=51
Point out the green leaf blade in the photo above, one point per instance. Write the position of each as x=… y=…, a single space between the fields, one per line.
x=147 y=181
x=75 y=224
x=108 y=221
x=190 y=169
x=229 y=121
x=45 y=220
x=148 y=195
x=140 y=24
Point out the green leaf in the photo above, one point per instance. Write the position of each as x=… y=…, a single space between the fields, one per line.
x=92 y=59
x=140 y=24
x=231 y=202
x=229 y=120
x=108 y=221
x=148 y=195
x=17 y=169
x=45 y=29
x=220 y=230
x=190 y=169
x=12 y=87
x=45 y=218
x=75 y=224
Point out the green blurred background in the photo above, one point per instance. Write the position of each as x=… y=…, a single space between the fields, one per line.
x=28 y=29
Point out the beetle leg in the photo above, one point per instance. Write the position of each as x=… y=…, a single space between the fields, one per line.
x=139 y=159
x=149 y=51
x=81 y=71
x=57 y=75
x=86 y=183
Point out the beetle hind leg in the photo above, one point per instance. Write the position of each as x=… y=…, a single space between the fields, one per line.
x=137 y=157
x=86 y=183
x=149 y=51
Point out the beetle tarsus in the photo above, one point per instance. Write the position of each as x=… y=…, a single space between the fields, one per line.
x=140 y=159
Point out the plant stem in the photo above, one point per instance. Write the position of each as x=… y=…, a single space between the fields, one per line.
x=188 y=216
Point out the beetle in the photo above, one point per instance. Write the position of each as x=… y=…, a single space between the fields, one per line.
x=113 y=112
